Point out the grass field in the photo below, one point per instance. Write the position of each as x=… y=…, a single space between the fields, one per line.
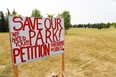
x=88 y=53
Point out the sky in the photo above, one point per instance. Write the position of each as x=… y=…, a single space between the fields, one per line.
x=81 y=11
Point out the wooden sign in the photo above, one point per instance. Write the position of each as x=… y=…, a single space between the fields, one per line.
x=35 y=38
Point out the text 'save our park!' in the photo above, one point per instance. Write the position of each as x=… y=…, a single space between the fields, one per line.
x=35 y=38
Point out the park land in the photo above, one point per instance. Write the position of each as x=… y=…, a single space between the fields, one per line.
x=88 y=53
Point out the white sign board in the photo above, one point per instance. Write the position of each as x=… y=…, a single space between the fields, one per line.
x=35 y=38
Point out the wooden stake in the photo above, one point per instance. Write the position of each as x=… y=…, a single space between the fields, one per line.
x=14 y=67
x=63 y=65
x=15 y=70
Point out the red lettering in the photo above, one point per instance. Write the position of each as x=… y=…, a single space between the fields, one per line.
x=39 y=23
x=55 y=35
x=54 y=26
x=17 y=20
x=35 y=50
x=31 y=52
x=32 y=26
x=31 y=35
x=59 y=23
x=28 y=23
x=39 y=49
x=47 y=49
x=15 y=34
x=60 y=33
x=39 y=37
x=35 y=23
x=16 y=52
x=28 y=53
x=50 y=23
x=22 y=54
x=48 y=34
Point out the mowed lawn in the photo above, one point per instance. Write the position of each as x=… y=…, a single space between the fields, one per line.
x=88 y=53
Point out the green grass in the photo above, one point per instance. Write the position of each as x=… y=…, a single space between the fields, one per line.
x=88 y=53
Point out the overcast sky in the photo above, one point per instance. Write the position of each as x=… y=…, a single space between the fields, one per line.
x=82 y=11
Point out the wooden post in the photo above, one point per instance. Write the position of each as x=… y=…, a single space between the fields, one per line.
x=14 y=67
x=15 y=70
x=63 y=65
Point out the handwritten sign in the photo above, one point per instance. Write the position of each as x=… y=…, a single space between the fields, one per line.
x=35 y=38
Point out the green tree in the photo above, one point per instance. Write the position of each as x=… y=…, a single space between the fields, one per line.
x=14 y=12
x=114 y=24
x=2 y=21
x=36 y=13
x=67 y=20
x=6 y=19
x=50 y=15
x=8 y=12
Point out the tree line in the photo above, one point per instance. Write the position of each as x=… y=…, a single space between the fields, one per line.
x=65 y=14
x=4 y=20
x=95 y=25
x=35 y=13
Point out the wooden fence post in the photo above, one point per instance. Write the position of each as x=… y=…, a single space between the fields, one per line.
x=63 y=65
x=15 y=70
